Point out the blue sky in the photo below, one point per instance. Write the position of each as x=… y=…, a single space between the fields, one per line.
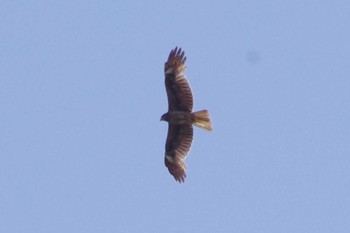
x=82 y=92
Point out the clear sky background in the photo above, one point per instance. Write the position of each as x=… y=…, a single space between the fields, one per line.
x=82 y=91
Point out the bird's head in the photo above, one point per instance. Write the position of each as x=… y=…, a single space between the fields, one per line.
x=164 y=117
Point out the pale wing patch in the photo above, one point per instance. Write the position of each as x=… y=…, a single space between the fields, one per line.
x=169 y=158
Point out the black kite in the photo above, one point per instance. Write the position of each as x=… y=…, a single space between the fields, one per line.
x=180 y=116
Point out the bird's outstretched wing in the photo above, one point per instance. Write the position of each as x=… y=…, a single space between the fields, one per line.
x=178 y=144
x=177 y=88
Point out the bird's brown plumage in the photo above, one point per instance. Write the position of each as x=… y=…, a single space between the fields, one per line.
x=177 y=88
x=179 y=115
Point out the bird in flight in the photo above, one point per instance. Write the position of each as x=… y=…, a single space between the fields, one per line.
x=180 y=117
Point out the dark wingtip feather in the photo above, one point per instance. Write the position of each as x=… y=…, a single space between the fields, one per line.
x=177 y=52
x=176 y=167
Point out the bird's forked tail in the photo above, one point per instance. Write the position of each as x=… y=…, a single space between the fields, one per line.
x=202 y=120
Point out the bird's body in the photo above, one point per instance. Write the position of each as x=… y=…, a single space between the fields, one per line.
x=180 y=116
